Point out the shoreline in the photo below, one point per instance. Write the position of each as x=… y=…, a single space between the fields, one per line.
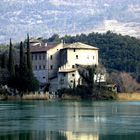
x=120 y=97
x=128 y=96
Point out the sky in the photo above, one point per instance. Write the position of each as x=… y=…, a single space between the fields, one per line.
x=43 y=18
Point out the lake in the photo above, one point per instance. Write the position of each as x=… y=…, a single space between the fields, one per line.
x=69 y=120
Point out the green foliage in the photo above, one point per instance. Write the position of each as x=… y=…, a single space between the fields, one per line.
x=108 y=95
x=11 y=66
x=4 y=75
x=46 y=89
x=84 y=93
x=55 y=39
x=3 y=47
x=21 y=76
x=24 y=74
x=21 y=63
x=3 y=91
x=29 y=64
x=88 y=73
x=3 y=60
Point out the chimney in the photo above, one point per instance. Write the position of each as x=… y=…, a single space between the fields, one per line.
x=62 y=41
x=46 y=44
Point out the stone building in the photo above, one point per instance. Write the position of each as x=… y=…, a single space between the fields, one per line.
x=57 y=63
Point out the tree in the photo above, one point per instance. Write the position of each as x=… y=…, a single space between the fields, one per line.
x=4 y=61
x=29 y=64
x=27 y=81
x=88 y=75
x=4 y=75
x=11 y=66
x=124 y=81
x=22 y=72
x=31 y=81
x=129 y=84
x=55 y=38
x=21 y=63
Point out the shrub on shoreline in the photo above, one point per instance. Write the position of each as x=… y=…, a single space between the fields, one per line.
x=85 y=93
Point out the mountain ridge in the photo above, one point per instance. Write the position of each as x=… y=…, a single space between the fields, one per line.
x=46 y=17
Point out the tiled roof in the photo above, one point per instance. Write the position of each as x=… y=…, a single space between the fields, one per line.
x=36 y=49
x=79 y=45
x=67 y=70
x=32 y=40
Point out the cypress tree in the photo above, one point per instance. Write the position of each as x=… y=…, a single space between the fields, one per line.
x=29 y=64
x=4 y=61
x=11 y=66
x=31 y=81
x=21 y=64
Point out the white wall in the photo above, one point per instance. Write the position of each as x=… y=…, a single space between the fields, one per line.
x=85 y=57
x=39 y=65
x=53 y=57
x=41 y=75
x=68 y=80
x=53 y=85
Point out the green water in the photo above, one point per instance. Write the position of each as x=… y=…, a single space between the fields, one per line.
x=69 y=120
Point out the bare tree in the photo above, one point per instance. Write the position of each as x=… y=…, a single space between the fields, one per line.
x=124 y=81
x=129 y=84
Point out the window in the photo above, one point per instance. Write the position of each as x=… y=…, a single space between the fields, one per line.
x=35 y=67
x=73 y=75
x=71 y=81
x=93 y=57
x=44 y=77
x=32 y=57
x=73 y=66
x=61 y=81
x=35 y=56
x=76 y=56
x=51 y=67
x=43 y=56
x=44 y=67
x=74 y=50
x=64 y=74
x=40 y=67
x=39 y=57
x=51 y=57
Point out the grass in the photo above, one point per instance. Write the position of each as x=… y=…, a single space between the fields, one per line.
x=36 y=97
x=129 y=96
x=30 y=96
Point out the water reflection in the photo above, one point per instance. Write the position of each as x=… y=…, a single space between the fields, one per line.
x=41 y=135
x=69 y=120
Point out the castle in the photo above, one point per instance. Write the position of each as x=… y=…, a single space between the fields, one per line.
x=56 y=64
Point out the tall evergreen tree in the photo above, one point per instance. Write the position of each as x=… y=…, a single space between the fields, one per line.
x=11 y=66
x=4 y=61
x=21 y=64
x=29 y=63
x=31 y=81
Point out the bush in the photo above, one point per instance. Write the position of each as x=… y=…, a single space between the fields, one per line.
x=3 y=91
x=109 y=96
x=85 y=93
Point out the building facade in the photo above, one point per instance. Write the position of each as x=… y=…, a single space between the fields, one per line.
x=57 y=64
x=44 y=61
